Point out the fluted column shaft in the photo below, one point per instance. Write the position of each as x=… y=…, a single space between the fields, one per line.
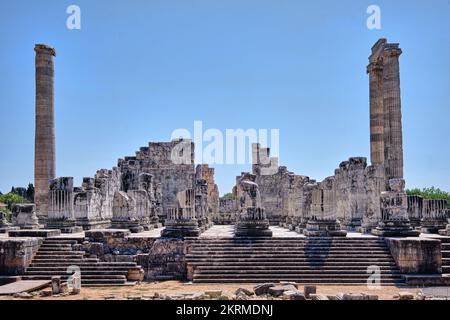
x=393 y=116
x=44 y=160
x=375 y=71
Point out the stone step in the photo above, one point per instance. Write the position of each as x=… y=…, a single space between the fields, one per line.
x=64 y=261
x=249 y=275
x=53 y=246
x=70 y=252
x=59 y=241
x=289 y=249
x=234 y=241
x=288 y=252
x=336 y=282
x=445 y=254
x=64 y=276
x=306 y=267
x=294 y=273
x=83 y=264
x=92 y=268
x=47 y=247
x=290 y=244
x=308 y=260
x=58 y=258
x=83 y=272
x=446 y=261
x=232 y=265
x=87 y=281
x=445 y=269
x=275 y=258
x=327 y=264
x=281 y=239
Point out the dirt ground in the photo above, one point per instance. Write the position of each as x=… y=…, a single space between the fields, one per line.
x=145 y=290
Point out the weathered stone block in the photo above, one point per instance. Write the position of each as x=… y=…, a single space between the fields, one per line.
x=16 y=254
x=416 y=255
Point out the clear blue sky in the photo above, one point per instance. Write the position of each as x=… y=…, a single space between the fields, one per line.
x=137 y=70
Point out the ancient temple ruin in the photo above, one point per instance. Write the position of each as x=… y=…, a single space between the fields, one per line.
x=109 y=219
x=358 y=197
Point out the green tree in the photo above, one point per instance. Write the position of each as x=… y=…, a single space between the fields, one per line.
x=228 y=195
x=30 y=192
x=11 y=198
x=430 y=193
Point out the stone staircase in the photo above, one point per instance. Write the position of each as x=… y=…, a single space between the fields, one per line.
x=445 y=250
x=56 y=255
x=332 y=261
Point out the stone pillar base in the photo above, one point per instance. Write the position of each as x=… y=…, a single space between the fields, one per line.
x=87 y=224
x=5 y=229
x=180 y=229
x=446 y=231
x=299 y=229
x=432 y=225
x=353 y=224
x=367 y=226
x=42 y=220
x=415 y=222
x=66 y=226
x=324 y=228
x=253 y=228
x=395 y=228
x=133 y=226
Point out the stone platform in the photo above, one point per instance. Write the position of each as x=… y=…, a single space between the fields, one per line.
x=23 y=286
x=39 y=233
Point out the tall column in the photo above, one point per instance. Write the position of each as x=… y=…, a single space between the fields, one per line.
x=393 y=114
x=375 y=71
x=44 y=149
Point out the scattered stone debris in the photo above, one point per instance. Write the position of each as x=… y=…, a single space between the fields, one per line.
x=214 y=294
x=293 y=295
x=261 y=289
x=279 y=290
x=314 y=296
x=48 y=292
x=23 y=295
x=244 y=291
x=402 y=295
x=284 y=283
x=308 y=290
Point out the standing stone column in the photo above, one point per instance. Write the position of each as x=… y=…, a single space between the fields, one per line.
x=392 y=110
x=252 y=220
x=375 y=71
x=181 y=221
x=44 y=150
x=394 y=212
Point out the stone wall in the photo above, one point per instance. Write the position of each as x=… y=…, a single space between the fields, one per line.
x=139 y=192
x=416 y=255
x=205 y=172
x=16 y=254
x=352 y=194
x=166 y=260
x=227 y=211
x=170 y=163
x=161 y=259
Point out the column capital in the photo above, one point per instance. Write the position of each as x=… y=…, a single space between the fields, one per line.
x=43 y=48
x=392 y=50
x=374 y=66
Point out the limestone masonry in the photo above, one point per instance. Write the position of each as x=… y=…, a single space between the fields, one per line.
x=151 y=216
